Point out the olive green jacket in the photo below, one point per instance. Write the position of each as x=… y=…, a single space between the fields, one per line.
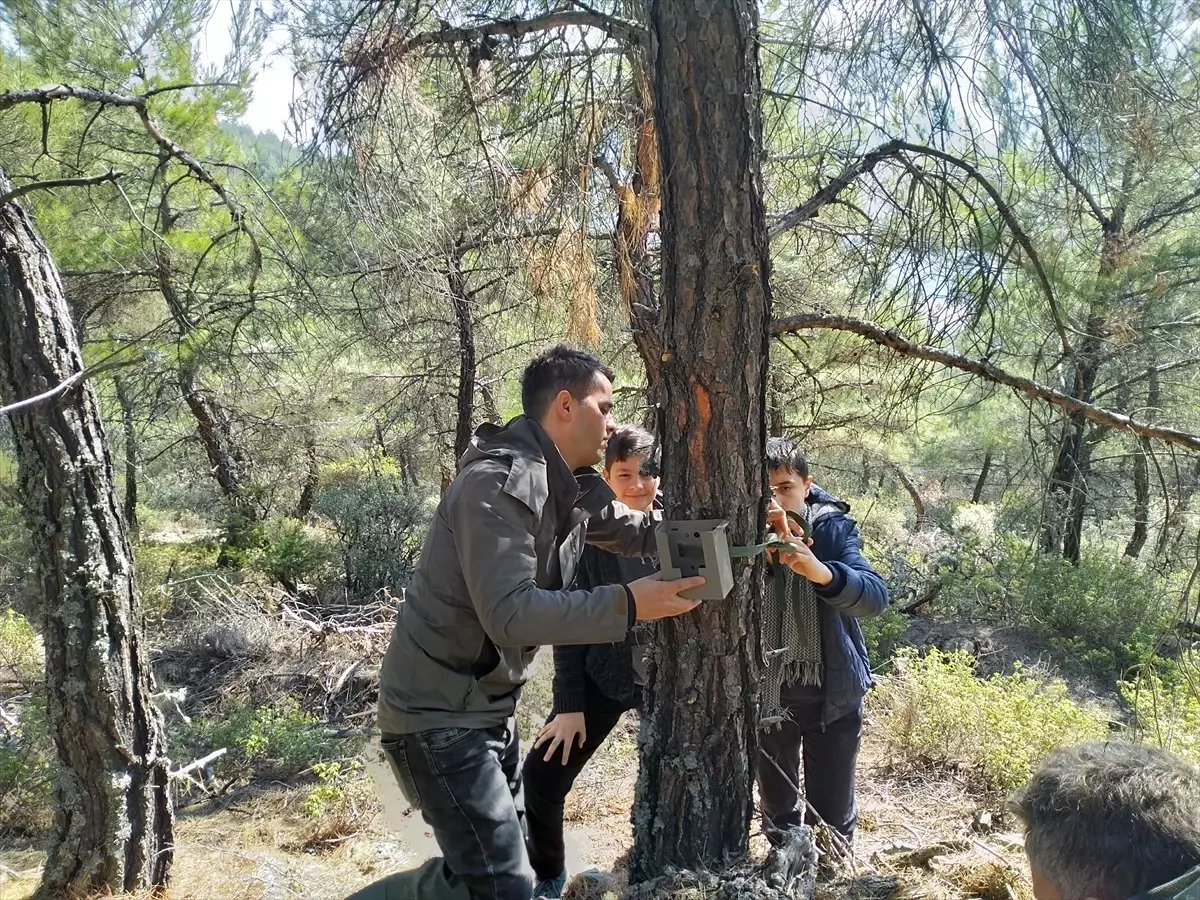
x=489 y=588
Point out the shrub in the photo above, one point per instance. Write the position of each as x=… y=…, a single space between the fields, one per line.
x=20 y=650
x=293 y=553
x=883 y=634
x=379 y=520
x=159 y=565
x=1106 y=612
x=937 y=711
x=26 y=769
x=277 y=742
x=1165 y=699
x=340 y=804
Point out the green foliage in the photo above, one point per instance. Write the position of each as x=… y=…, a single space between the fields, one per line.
x=26 y=754
x=883 y=634
x=937 y=711
x=1107 y=612
x=271 y=742
x=1165 y=699
x=293 y=553
x=26 y=769
x=379 y=519
x=159 y=564
x=20 y=650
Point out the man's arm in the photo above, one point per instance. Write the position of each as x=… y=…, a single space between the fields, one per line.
x=493 y=534
x=624 y=531
x=856 y=589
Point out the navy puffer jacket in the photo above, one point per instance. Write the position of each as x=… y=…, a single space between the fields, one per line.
x=856 y=592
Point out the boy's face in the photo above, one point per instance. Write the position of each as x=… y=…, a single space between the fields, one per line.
x=790 y=489
x=632 y=486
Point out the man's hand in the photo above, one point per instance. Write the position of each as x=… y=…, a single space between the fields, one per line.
x=802 y=560
x=564 y=729
x=658 y=599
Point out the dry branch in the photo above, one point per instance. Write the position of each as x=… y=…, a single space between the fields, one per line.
x=984 y=368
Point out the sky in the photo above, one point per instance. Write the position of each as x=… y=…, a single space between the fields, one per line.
x=268 y=109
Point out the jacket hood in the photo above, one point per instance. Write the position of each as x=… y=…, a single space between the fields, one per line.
x=821 y=503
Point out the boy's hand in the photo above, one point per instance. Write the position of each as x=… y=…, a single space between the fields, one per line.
x=658 y=599
x=564 y=729
x=802 y=560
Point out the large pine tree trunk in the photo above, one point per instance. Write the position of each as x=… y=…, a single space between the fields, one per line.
x=113 y=821
x=699 y=729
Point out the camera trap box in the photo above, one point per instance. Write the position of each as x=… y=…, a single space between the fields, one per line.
x=697 y=547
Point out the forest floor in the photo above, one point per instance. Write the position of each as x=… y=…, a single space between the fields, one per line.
x=923 y=833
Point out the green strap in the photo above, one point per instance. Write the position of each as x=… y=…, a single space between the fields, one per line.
x=755 y=549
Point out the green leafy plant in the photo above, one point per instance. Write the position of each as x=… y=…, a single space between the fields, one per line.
x=936 y=711
x=272 y=742
x=293 y=553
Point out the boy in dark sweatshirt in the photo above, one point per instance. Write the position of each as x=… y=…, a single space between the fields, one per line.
x=594 y=684
x=818 y=671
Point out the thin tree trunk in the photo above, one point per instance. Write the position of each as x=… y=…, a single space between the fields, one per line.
x=1141 y=499
x=113 y=824
x=1173 y=525
x=464 y=319
x=129 y=431
x=228 y=462
x=977 y=493
x=915 y=495
x=699 y=729
x=312 y=477
x=1141 y=473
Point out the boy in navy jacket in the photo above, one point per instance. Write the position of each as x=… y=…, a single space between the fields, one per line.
x=817 y=668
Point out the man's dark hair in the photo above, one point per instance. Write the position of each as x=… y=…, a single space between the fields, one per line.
x=629 y=441
x=561 y=368
x=1110 y=820
x=783 y=453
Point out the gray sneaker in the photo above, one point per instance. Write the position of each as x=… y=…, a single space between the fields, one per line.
x=550 y=888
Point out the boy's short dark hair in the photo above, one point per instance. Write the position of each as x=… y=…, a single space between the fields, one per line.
x=561 y=368
x=629 y=441
x=1111 y=819
x=784 y=453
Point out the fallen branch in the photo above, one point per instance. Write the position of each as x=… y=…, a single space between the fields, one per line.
x=199 y=763
x=984 y=368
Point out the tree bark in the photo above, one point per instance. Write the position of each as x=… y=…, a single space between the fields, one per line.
x=915 y=495
x=699 y=729
x=129 y=432
x=981 y=481
x=465 y=322
x=1173 y=525
x=113 y=824
x=1067 y=487
x=1141 y=474
x=312 y=478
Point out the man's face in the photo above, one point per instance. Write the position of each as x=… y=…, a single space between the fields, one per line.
x=632 y=486
x=790 y=489
x=591 y=423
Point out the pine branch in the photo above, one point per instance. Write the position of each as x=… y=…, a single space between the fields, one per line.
x=983 y=368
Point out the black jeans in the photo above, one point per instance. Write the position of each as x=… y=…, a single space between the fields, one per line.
x=467 y=784
x=548 y=783
x=829 y=756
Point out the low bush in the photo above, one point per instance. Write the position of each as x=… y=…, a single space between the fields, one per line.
x=272 y=743
x=936 y=711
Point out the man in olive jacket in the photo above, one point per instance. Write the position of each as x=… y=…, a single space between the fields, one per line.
x=490 y=587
